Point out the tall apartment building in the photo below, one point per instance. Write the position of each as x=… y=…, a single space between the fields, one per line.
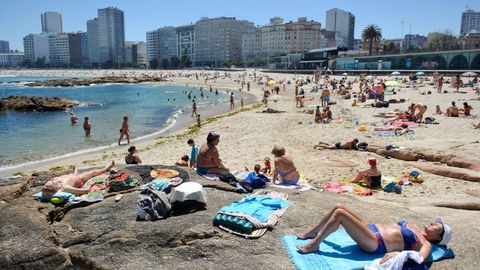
x=4 y=46
x=57 y=49
x=219 y=40
x=279 y=38
x=139 y=51
x=92 y=41
x=11 y=59
x=29 y=53
x=470 y=21
x=167 y=42
x=129 y=52
x=186 y=41
x=106 y=37
x=51 y=22
x=341 y=22
x=136 y=53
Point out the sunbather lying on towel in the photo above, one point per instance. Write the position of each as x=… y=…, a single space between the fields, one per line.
x=386 y=239
x=372 y=177
x=72 y=182
x=347 y=145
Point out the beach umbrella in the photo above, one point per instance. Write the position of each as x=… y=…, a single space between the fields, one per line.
x=344 y=74
x=469 y=74
x=271 y=82
x=420 y=73
x=369 y=77
x=393 y=84
x=395 y=73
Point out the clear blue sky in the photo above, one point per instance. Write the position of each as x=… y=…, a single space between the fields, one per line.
x=21 y=17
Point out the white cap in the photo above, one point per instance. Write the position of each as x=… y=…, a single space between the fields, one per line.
x=447 y=232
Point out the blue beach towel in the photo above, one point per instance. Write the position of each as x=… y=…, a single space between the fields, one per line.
x=339 y=251
x=259 y=207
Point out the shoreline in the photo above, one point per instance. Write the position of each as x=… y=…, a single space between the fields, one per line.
x=87 y=156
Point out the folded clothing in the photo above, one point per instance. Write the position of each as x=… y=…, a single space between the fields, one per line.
x=259 y=207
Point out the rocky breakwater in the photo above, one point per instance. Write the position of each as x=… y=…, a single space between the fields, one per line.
x=91 y=81
x=35 y=104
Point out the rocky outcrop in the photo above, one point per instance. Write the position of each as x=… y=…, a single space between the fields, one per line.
x=88 y=82
x=36 y=104
x=106 y=235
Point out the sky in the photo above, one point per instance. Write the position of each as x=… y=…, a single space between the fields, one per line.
x=19 y=18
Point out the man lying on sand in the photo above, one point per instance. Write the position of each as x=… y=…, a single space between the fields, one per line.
x=386 y=239
x=345 y=146
x=72 y=182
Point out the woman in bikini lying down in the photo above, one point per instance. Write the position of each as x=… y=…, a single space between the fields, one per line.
x=388 y=239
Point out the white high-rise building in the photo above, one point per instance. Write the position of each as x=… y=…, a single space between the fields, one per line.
x=279 y=38
x=51 y=22
x=470 y=21
x=342 y=23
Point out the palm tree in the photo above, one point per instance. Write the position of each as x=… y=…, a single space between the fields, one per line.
x=371 y=33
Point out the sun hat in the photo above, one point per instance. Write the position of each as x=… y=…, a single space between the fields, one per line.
x=447 y=232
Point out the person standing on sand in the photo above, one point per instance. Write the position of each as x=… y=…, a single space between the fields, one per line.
x=232 y=103
x=440 y=84
x=241 y=103
x=86 y=126
x=124 y=130
x=194 y=108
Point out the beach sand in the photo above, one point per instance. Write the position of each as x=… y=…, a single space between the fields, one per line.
x=247 y=137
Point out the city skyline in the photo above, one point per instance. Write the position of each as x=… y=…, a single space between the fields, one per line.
x=143 y=16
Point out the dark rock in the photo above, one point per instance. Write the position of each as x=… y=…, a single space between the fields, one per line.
x=40 y=104
x=86 y=82
x=106 y=235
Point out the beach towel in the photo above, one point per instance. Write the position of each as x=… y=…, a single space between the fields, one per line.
x=339 y=251
x=392 y=133
x=97 y=189
x=349 y=188
x=302 y=185
x=400 y=123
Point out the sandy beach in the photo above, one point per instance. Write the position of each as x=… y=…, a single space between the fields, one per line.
x=248 y=136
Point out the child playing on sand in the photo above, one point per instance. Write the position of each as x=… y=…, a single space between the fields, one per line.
x=193 y=153
x=183 y=162
x=268 y=167
x=438 y=111
x=256 y=179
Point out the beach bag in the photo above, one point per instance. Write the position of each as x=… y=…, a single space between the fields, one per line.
x=153 y=205
x=256 y=180
x=121 y=181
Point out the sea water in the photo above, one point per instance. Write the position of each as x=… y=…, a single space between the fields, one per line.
x=32 y=136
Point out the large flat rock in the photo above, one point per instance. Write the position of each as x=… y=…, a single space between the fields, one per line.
x=106 y=235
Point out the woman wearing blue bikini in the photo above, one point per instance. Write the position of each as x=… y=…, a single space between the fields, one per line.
x=285 y=171
x=386 y=239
